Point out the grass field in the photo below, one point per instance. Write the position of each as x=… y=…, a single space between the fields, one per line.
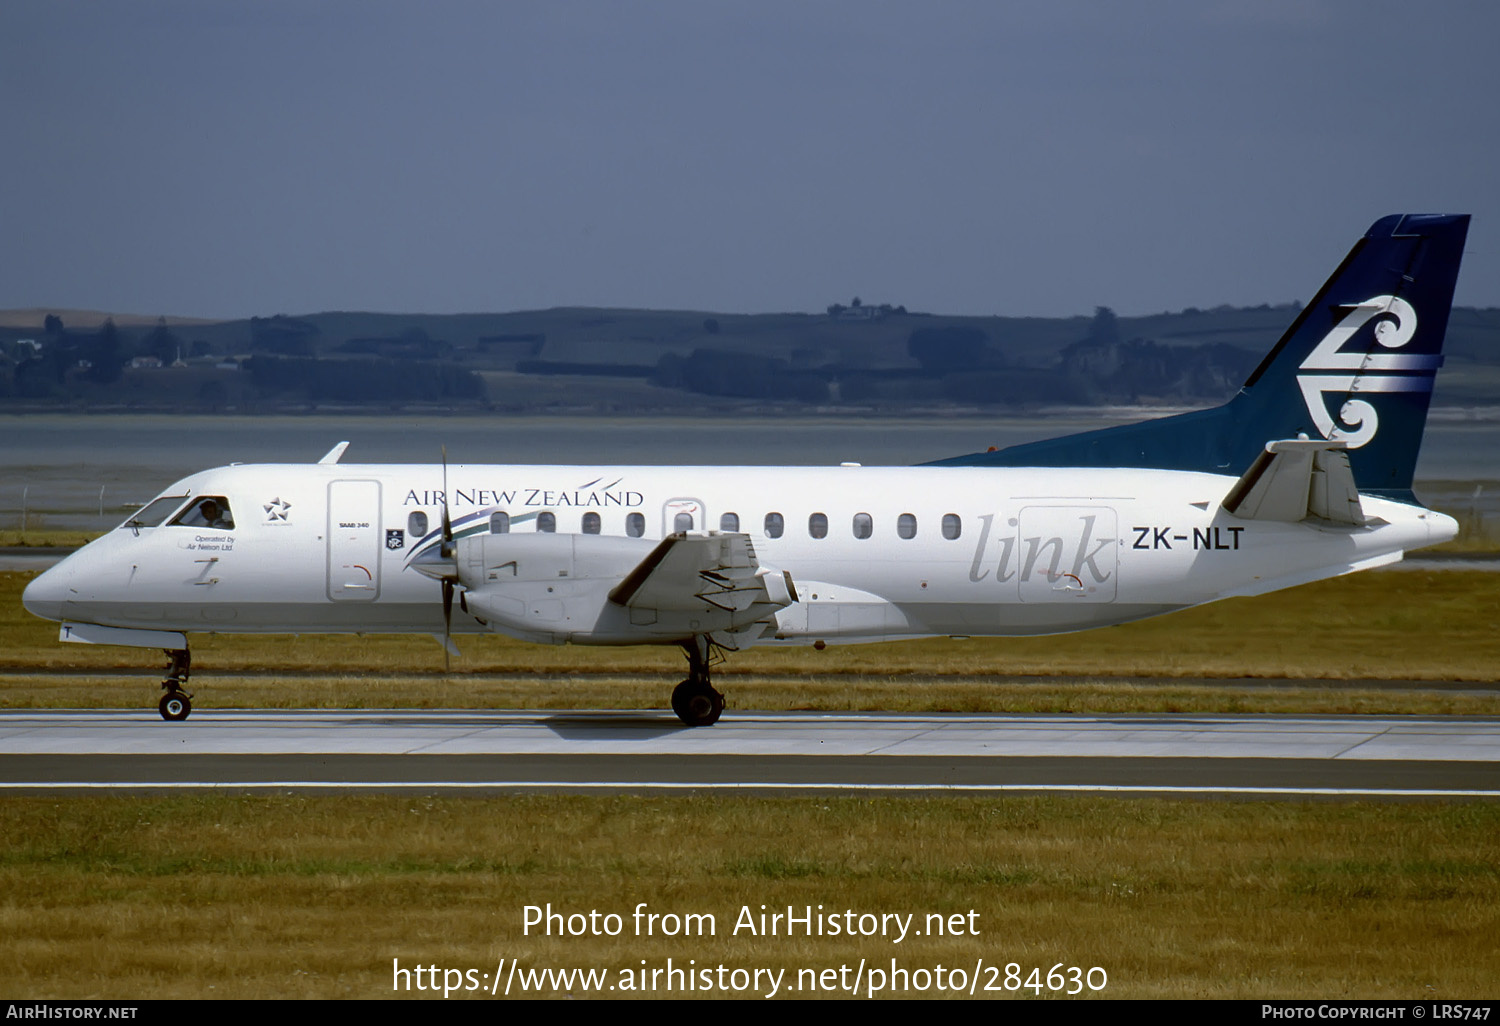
x=223 y=896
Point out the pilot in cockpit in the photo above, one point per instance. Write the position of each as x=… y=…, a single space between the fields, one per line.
x=210 y=512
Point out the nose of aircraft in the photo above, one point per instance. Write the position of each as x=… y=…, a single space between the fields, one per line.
x=45 y=595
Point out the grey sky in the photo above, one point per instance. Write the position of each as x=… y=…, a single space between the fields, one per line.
x=227 y=159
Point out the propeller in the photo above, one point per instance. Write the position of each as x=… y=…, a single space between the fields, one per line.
x=442 y=566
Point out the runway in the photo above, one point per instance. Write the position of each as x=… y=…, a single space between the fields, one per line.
x=649 y=752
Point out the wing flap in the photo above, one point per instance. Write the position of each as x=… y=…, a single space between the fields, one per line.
x=691 y=572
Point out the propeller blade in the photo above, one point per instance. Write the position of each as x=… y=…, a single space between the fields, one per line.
x=447 y=548
x=447 y=624
x=447 y=551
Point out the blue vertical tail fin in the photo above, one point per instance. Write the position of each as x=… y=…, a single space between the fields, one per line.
x=1357 y=364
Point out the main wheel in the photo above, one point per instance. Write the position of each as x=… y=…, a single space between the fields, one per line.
x=697 y=704
x=174 y=705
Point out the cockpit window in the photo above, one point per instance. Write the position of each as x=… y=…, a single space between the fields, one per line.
x=154 y=512
x=206 y=511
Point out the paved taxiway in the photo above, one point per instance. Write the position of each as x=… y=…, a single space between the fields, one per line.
x=645 y=751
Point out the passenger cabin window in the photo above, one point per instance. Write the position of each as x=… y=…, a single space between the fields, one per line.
x=499 y=523
x=863 y=525
x=952 y=526
x=775 y=525
x=546 y=523
x=635 y=525
x=729 y=522
x=154 y=512
x=817 y=525
x=682 y=522
x=591 y=523
x=207 y=511
x=416 y=524
x=906 y=525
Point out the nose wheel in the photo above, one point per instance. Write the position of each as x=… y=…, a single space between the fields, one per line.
x=176 y=704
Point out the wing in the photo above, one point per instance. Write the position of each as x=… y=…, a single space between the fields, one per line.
x=599 y=589
x=714 y=573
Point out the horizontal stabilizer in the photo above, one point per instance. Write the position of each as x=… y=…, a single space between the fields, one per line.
x=1294 y=479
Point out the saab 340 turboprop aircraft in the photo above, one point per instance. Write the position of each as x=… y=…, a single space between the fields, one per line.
x=1306 y=473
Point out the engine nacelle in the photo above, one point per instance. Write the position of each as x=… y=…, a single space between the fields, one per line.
x=552 y=588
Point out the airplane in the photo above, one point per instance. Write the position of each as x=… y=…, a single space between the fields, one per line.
x=1306 y=473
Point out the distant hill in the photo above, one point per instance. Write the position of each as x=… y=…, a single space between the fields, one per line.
x=584 y=359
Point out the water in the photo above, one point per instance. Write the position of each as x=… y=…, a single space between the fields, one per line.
x=87 y=472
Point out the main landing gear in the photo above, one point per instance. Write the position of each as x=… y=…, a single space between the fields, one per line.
x=695 y=701
x=176 y=703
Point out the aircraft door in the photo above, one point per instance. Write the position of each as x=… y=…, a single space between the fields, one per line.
x=1067 y=554
x=354 y=541
x=682 y=515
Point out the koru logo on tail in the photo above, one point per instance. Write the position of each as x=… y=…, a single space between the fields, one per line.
x=1359 y=372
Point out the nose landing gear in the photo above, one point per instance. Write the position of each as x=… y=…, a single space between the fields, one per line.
x=176 y=704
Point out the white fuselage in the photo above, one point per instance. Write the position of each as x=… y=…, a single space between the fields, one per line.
x=906 y=552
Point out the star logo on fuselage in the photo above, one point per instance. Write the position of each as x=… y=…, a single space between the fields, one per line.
x=277 y=509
